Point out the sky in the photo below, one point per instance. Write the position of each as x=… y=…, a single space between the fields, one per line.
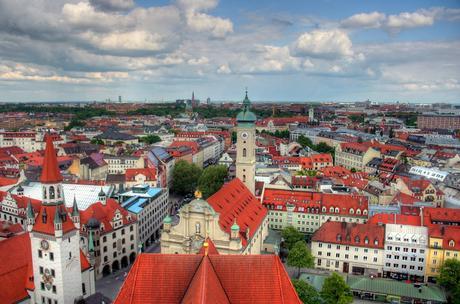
x=299 y=50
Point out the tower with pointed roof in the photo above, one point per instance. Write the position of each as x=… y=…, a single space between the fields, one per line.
x=54 y=239
x=246 y=145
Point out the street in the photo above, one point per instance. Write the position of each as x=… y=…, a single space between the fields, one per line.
x=111 y=284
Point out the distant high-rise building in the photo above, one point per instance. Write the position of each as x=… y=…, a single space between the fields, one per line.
x=119 y=99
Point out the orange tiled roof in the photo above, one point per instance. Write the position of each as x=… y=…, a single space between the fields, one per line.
x=50 y=171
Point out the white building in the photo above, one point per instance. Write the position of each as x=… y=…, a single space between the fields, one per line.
x=405 y=252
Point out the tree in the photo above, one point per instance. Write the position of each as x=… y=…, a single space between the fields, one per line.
x=97 y=141
x=185 y=177
x=335 y=290
x=212 y=179
x=353 y=170
x=300 y=257
x=449 y=277
x=305 y=142
x=291 y=236
x=233 y=137
x=150 y=139
x=306 y=292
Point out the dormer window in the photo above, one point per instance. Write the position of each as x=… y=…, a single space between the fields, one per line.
x=337 y=210
x=331 y=210
x=364 y=212
x=356 y=239
x=366 y=240
x=358 y=211
x=376 y=242
x=352 y=211
x=339 y=237
x=324 y=209
x=451 y=243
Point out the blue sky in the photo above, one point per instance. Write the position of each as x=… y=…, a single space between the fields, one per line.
x=281 y=50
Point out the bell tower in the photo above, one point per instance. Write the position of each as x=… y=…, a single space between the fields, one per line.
x=246 y=145
x=55 y=239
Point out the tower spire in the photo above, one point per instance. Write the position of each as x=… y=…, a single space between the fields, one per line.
x=50 y=170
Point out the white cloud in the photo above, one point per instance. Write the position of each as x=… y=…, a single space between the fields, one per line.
x=198 y=61
x=224 y=69
x=218 y=27
x=364 y=20
x=197 y=5
x=408 y=20
x=134 y=41
x=113 y=5
x=323 y=43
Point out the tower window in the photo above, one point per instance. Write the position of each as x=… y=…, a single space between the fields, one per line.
x=244 y=152
x=51 y=256
x=51 y=190
x=244 y=178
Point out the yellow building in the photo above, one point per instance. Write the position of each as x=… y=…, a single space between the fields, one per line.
x=355 y=155
x=444 y=243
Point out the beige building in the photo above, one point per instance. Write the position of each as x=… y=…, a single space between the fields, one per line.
x=349 y=248
x=232 y=218
x=354 y=155
x=119 y=164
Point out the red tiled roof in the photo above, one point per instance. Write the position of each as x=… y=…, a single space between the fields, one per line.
x=211 y=248
x=362 y=235
x=15 y=273
x=450 y=236
x=149 y=173
x=313 y=202
x=191 y=144
x=234 y=200
x=84 y=263
x=6 y=181
x=207 y=279
x=50 y=171
x=404 y=199
x=105 y=214
x=47 y=227
x=7 y=229
x=432 y=215
x=335 y=171
x=21 y=202
x=385 y=218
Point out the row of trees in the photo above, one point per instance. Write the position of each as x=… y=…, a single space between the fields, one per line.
x=188 y=177
x=320 y=148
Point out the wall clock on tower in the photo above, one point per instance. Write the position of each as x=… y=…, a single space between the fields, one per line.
x=44 y=244
x=244 y=135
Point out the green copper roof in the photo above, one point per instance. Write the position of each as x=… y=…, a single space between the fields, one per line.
x=246 y=115
x=57 y=216
x=167 y=220
x=235 y=227
x=90 y=242
x=30 y=210
x=75 y=211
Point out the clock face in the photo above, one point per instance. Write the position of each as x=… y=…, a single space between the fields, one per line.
x=244 y=135
x=44 y=244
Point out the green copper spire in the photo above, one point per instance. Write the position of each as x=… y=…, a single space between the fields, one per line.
x=30 y=210
x=57 y=217
x=75 y=211
x=235 y=226
x=90 y=242
x=246 y=116
x=246 y=101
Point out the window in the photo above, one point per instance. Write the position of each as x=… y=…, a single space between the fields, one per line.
x=104 y=249
x=83 y=288
x=40 y=254
x=197 y=228
x=42 y=286
x=51 y=256
x=319 y=262
x=41 y=270
x=244 y=152
x=54 y=288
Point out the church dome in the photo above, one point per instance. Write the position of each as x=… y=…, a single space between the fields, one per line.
x=93 y=223
x=167 y=220
x=246 y=115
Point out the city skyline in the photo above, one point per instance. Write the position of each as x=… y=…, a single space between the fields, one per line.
x=290 y=51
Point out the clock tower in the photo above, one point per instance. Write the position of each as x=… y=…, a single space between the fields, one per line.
x=246 y=145
x=55 y=240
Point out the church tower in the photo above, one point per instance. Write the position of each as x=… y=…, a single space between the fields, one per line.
x=246 y=145
x=54 y=240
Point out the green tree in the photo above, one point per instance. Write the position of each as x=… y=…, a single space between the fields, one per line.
x=353 y=170
x=97 y=141
x=300 y=257
x=212 y=179
x=234 y=137
x=185 y=177
x=291 y=236
x=306 y=292
x=150 y=139
x=336 y=291
x=449 y=278
x=305 y=142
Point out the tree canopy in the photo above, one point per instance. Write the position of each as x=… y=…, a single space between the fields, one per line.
x=306 y=292
x=300 y=257
x=212 y=179
x=150 y=139
x=291 y=236
x=449 y=278
x=185 y=177
x=336 y=291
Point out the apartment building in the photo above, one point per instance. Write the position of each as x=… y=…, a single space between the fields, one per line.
x=349 y=248
x=355 y=155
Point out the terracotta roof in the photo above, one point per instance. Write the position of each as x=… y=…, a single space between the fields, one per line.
x=234 y=200
x=362 y=235
x=211 y=247
x=335 y=171
x=450 y=236
x=84 y=263
x=6 y=181
x=404 y=199
x=149 y=173
x=105 y=214
x=47 y=227
x=314 y=202
x=401 y=219
x=182 y=278
x=15 y=274
x=433 y=216
x=21 y=202
x=50 y=171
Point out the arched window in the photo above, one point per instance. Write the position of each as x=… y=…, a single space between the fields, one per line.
x=337 y=210
x=331 y=210
x=451 y=243
x=358 y=212
x=244 y=178
x=51 y=190
x=244 y=152
x=197 y=228
x=364 y=212
x=352 y=211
